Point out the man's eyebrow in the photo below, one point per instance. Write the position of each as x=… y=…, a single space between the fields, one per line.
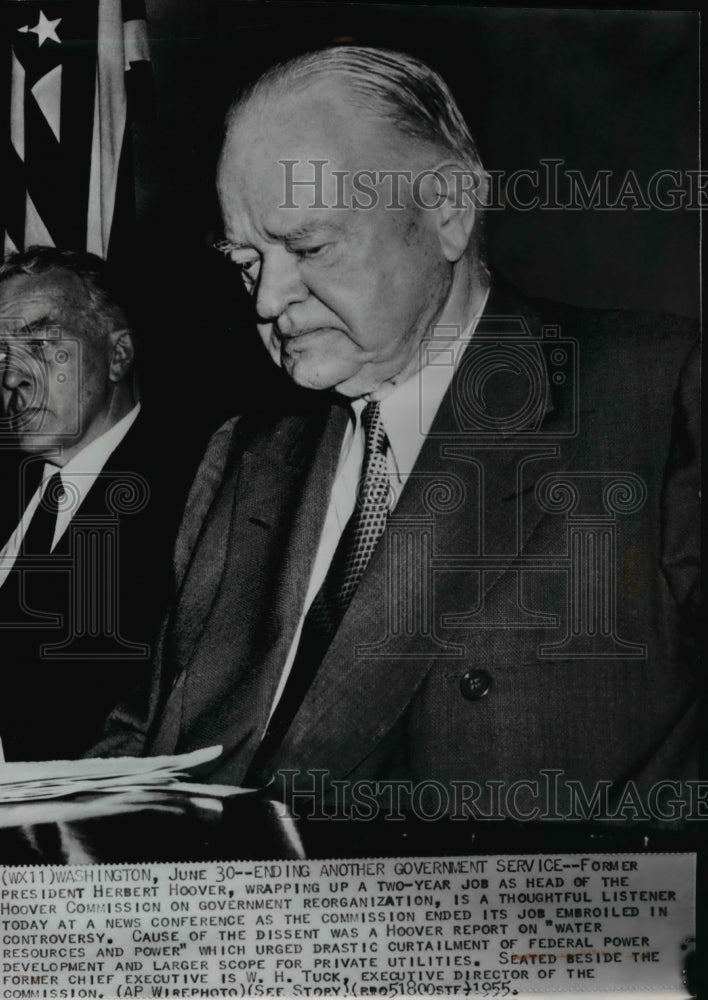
x=307 y=229
x=46 y=322
x=225 y=245
x=314 y=228
x=39 y=323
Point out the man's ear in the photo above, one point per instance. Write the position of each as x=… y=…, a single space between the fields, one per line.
x=452 y=193
x=122 y=354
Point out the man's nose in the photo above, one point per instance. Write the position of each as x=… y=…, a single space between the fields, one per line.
x=15 y=372
x=279 y=285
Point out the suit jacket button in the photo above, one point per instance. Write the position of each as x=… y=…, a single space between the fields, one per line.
x=475 y=684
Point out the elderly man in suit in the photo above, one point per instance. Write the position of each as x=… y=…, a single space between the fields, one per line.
x=443 y=566
x=88 y=507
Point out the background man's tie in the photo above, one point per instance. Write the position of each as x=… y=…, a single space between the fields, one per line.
x=40 y=531
x=356 y=546
x=23 y=593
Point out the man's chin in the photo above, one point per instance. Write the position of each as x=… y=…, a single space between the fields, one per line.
x=317 y=375
x=38 y=444
x=351 y=383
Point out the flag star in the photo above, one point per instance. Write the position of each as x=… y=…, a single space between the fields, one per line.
x=44 y=29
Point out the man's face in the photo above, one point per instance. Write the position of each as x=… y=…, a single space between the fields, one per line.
x=53 y=379
x=343 y=295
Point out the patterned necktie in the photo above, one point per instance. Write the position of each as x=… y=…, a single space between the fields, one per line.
x=362 y=532
x=40 y=531
x=355 y=548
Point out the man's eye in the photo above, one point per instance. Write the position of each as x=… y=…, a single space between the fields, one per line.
x=38 y=347
x=248 y=270
x=307 y=253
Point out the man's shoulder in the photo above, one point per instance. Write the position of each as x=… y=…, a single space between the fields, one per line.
x=628 y=357
x=641 y=324
x=278 y=427
x=656 y=334
x=617 y=345
x=218 y=448
x=506 y=297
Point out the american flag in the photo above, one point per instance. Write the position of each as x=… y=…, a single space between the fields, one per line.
x=78 y=69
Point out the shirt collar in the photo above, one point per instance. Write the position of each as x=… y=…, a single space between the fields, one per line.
x=85 y=465
x=409 y=409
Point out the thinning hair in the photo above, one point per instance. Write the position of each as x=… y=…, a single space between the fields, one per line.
x=103 y=310
x=393 y=87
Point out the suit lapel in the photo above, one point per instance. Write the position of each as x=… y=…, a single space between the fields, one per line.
x=21 y=475
x=246 y=505
x=120 y=489
x=299 y=555
x=367 y=687
x=227 y=635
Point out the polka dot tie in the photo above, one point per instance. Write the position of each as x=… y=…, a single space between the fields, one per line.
x=356 y=546
x=363 y=530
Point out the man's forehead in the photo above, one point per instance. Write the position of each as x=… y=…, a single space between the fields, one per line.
x=317 y=121
x=30 y=300
x=291 y=197
x=60 y=287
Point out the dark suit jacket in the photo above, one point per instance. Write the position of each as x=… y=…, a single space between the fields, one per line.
x=533 y=628
x=102 y=591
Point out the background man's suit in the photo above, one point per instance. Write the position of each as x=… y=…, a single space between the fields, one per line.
x=487 y=680
x=55 y=706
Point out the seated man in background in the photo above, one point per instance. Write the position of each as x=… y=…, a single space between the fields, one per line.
x=89 y=504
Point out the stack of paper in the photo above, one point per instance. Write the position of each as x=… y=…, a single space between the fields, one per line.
x=23 y=782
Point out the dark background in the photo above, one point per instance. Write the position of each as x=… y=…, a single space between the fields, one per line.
x=602 y=90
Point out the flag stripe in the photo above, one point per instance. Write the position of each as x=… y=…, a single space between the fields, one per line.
x=14 y=182
x=43 y=171
x=77 y=123
x=109 y=122
x=94 y=229
x=35 y=230
x=73 y=68
x=47 y=94
x=136 y=43
x=122 y=236
x=17 y=107
x=9 y=245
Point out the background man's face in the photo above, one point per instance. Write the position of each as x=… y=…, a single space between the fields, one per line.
x=343 y=295
x=53 y=379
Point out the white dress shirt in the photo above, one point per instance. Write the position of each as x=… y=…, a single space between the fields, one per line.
x=407 y=412
x=77 y=476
